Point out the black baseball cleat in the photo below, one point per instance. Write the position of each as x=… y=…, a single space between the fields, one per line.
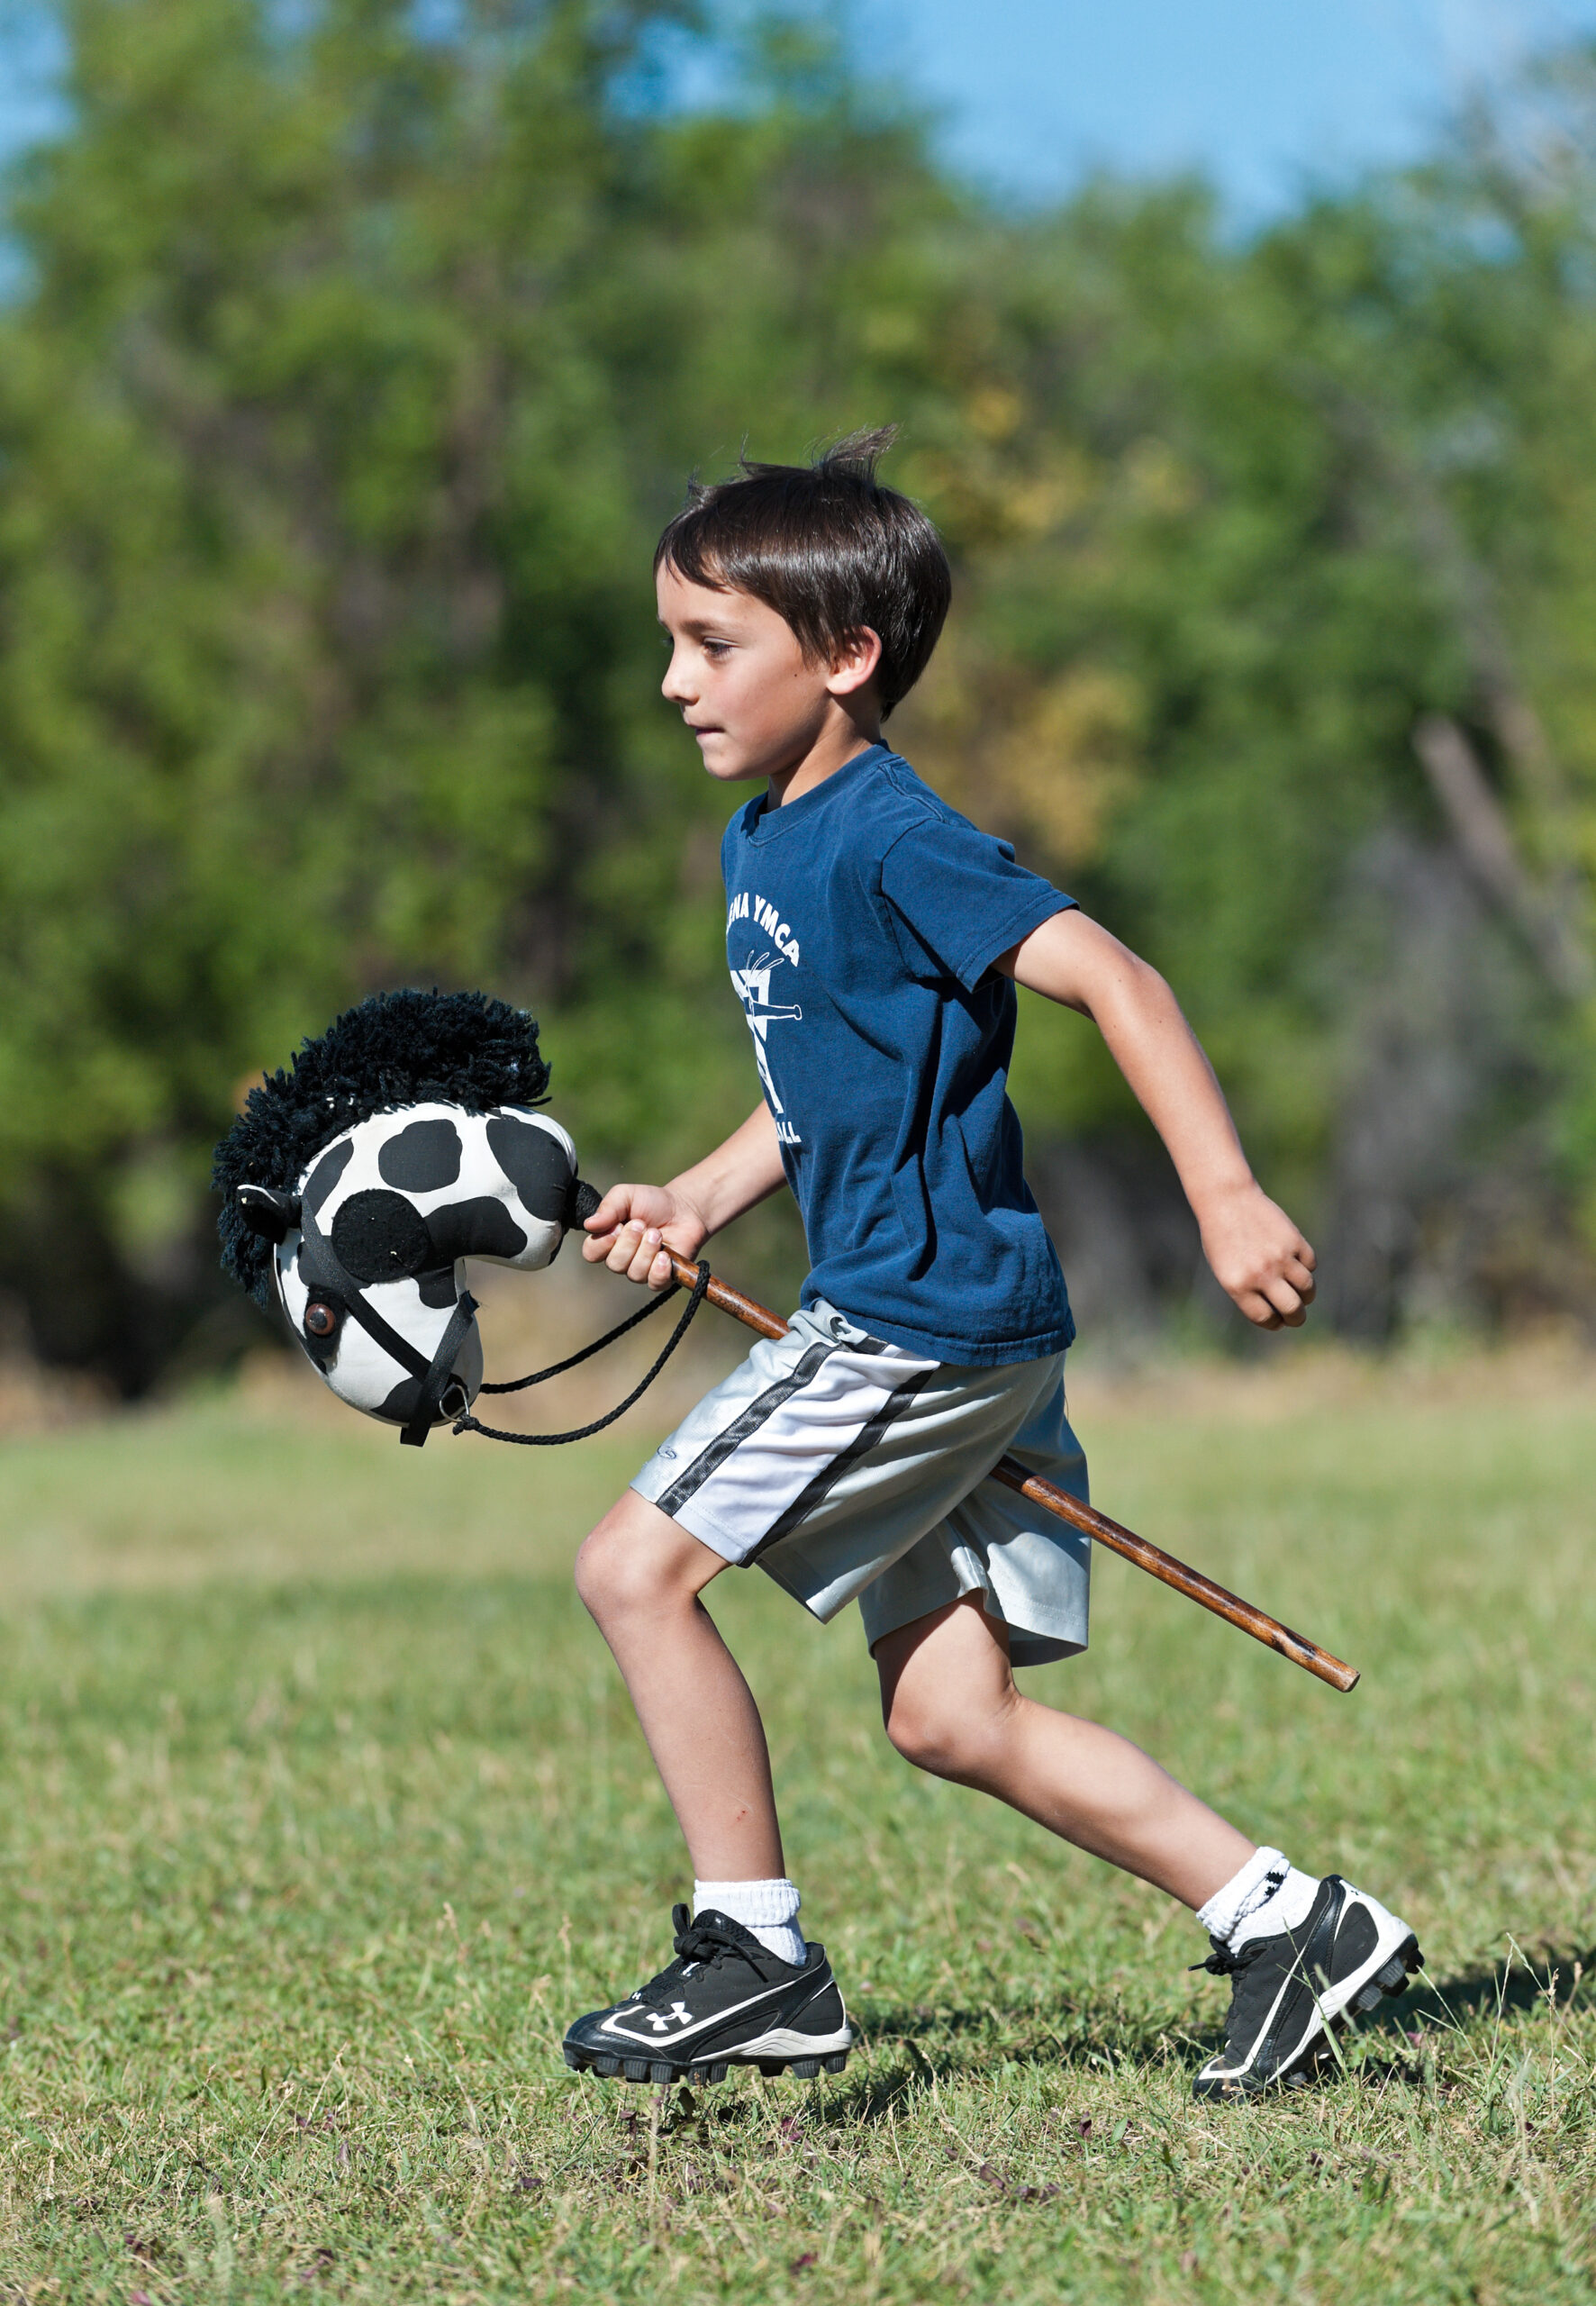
x=1287 y=1992
x=725 y=2001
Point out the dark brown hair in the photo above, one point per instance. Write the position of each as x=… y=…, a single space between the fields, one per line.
x=829 y=548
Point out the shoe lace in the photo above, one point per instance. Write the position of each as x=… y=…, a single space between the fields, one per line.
x=1224 y=1964
x=699 y=1939
x=700 y=1942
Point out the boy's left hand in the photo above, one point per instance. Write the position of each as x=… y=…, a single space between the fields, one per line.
x=1258 y=1257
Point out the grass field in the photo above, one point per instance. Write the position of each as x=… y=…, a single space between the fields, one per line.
x=323 y=1813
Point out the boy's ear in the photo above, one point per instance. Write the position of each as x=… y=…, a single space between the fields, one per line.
x=855 y=662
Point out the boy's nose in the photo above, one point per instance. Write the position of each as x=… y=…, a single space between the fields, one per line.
x=674 y=688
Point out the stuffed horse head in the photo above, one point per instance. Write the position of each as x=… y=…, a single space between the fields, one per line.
x=357 y=1184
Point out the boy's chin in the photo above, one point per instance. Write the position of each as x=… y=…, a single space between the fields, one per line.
x=731 y=766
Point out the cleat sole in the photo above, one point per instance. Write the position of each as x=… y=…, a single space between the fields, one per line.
x=1394 y=1978
x=659 y=2072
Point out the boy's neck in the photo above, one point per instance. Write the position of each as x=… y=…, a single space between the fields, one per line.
x=847 y=735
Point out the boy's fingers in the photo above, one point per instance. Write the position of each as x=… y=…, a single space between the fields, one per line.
x=1287 y=1304
x=1277 y=1303
x=637 y=1252
x=624 y=1246
x=645 y=1251
x=615 y=1206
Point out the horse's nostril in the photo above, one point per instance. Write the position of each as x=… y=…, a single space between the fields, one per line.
x=320 y=1321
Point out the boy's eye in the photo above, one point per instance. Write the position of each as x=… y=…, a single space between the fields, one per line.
x=717 y=648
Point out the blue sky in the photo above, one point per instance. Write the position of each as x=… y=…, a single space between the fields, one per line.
x=1266 y=95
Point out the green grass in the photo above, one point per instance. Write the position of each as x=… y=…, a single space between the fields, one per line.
x=323 y=1813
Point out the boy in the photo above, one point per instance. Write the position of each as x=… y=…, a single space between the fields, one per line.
x=875 y=939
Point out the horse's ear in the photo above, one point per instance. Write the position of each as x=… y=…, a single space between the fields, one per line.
x=269 y=1213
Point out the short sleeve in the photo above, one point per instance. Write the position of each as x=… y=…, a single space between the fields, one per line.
x=962 y=898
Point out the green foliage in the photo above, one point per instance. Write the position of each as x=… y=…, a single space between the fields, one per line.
x=359 y=362
x=326 y=1813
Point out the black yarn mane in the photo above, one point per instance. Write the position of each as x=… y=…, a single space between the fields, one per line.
x=394 y=1048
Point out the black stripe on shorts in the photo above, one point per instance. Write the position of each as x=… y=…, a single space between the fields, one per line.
x=817 y=1490
x=757 y=1413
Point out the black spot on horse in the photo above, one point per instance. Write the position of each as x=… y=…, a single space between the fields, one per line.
x=326 y=1175
x=536 y=1163
x=482 y=1227
x=400 y=1406
x=424 y=1157
x=382 y=1237
x=437 y=1289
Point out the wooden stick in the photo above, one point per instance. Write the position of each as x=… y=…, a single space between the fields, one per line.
x=1192 y=1582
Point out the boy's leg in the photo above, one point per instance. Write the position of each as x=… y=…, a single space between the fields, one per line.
x=950 y=1706
x=744 y=1989
x=1300 y=1952
x=640 y=1575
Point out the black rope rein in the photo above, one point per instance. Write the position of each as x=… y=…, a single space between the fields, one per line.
x=469 y=1424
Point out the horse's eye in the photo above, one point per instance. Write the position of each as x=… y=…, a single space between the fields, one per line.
x=320 y=1321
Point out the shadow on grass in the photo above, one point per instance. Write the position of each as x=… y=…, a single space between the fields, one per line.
x=908 y=2049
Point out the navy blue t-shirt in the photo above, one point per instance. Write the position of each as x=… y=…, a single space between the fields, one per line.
x=862 y=922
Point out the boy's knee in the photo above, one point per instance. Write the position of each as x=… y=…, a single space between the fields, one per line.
x=612 y=1574
x=919 y=1733
x=942 y=1734
x=625 y=1565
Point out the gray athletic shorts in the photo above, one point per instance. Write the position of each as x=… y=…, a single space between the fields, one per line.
x=851 y=1470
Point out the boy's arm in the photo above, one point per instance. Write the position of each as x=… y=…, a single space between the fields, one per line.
x=634 y=1225
x=1256 y=1253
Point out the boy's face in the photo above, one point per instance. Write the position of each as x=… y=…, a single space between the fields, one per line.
x=756 y=705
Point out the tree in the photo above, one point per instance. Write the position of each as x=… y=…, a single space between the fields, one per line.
x=357 y=367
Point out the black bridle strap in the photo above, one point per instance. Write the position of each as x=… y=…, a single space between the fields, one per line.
x=469 y=1424
x=327 y=1273
x=322 y=1271
x=429 y=1399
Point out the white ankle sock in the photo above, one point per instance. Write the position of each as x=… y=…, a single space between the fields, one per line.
x=1268 y=1895
x=768 y=1909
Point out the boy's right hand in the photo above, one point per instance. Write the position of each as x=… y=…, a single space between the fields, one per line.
x=635 y=1227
